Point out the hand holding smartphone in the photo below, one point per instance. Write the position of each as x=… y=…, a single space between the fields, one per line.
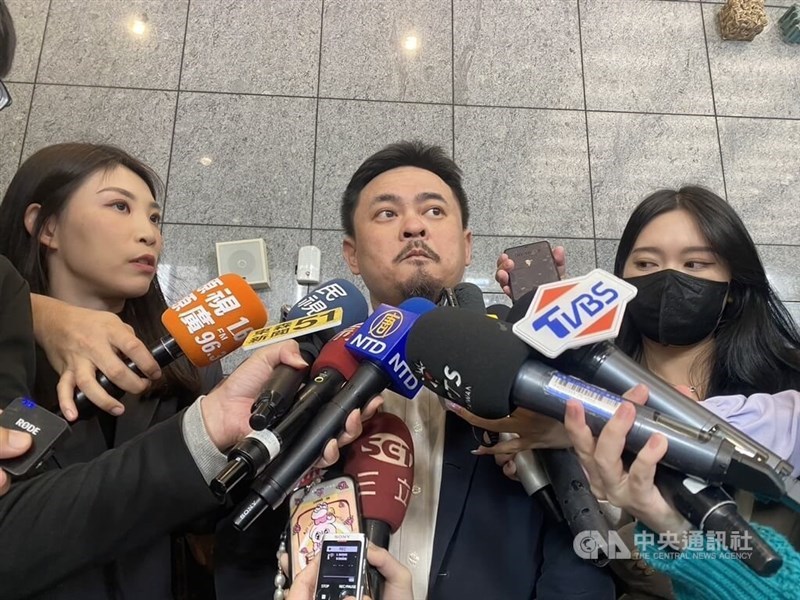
x=533 y=266
x=342 y=563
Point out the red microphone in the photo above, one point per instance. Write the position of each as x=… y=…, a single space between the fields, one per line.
x=381 y=460
x=247 y=459
x=204 y=325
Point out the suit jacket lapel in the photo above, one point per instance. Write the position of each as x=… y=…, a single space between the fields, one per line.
x=458 y=467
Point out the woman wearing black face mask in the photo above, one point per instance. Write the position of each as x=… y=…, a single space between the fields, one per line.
x=705 y=315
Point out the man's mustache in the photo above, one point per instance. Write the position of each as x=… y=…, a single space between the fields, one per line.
x=418 y=246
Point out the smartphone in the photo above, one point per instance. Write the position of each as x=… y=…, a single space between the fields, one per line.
x=329 y=507
x=533 y=266
x=342 y=562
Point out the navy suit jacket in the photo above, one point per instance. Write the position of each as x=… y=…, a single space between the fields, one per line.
x=492 y=541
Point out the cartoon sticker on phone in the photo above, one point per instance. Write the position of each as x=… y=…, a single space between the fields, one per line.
x=327 y=508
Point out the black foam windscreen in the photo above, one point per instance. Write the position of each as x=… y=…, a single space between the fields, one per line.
x=470 y=297
x=467 y=358
x=499 y=310
x=520 y=307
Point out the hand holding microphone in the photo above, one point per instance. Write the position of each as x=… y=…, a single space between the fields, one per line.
x=205 y=325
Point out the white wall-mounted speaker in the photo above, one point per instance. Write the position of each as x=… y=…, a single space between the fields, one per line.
x=247 y=258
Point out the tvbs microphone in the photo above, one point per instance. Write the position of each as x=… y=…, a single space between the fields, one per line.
x=380 y=342
x=205 y=325
x=284 y=381
x=381 y=460
x=503 y=375
x=248 y=458
x=608 y=367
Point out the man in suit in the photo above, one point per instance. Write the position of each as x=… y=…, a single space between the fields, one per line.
x=469 y=532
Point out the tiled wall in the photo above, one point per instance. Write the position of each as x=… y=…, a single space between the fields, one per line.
x=563 y=114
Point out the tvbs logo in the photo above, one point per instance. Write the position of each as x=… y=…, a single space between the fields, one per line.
x=590 y=544
x=564 y=320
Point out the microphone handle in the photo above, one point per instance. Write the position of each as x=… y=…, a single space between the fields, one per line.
x=379 y=533
x=165 y=352
x=711 y=508
x=275 y=402
x=276 y=482
x=249 y=457
x=534 y=480
x=579 y=506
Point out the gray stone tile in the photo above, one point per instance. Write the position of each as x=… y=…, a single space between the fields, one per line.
x=242 y=160
x=525 y=171
x=387 y=50
x=189 y=260
x=256 y=47
x=794 y=311
x=633 y=155
x=29 y=19
x=781 y=263
x=645 y=56
x=99 y=42
x=761 y=171
x=333 y=265
x=758 y=78
x=517 y=53
x=492 y=299
x=349 y=131
x=606 y=252
x=139 y=121
x=12 y=124
x=486 y=249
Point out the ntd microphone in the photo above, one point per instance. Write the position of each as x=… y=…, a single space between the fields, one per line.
x=382 y=340
x=205 y=325
x=385 y=334
x=381 y=461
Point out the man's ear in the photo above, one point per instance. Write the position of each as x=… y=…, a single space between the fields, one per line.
x=350 y=254
x=48 y=233
x=467 y=247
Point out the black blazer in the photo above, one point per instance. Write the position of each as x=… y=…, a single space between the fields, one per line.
x=492 y=541
x=17 y=363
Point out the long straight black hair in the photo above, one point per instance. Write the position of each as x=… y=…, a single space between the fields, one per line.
x=757 y=344
x=50 y=177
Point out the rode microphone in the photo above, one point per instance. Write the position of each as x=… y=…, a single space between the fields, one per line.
x=606 y=366
x=380 y=343
x=249 y=457
x=381 y=460
x=503 y=375
x=204 y=325
x=284 y=380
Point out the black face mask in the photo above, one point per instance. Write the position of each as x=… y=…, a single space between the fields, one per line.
x=675 y=308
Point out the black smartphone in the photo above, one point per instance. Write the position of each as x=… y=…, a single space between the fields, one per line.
x=533 y=266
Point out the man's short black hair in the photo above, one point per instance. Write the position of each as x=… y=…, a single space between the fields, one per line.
x=403 y=154
x=8 y=40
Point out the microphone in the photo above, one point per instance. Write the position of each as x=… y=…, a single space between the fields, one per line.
x=531 y=473
x=381 y=461
x=711 y=508
x=503 y=375
x=204 y=325
x=499 y=311
x=284 y=380
x=381 y=344
x=249 y=457
x=606 y=366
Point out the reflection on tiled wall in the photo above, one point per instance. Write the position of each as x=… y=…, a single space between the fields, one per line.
x=563 y=114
